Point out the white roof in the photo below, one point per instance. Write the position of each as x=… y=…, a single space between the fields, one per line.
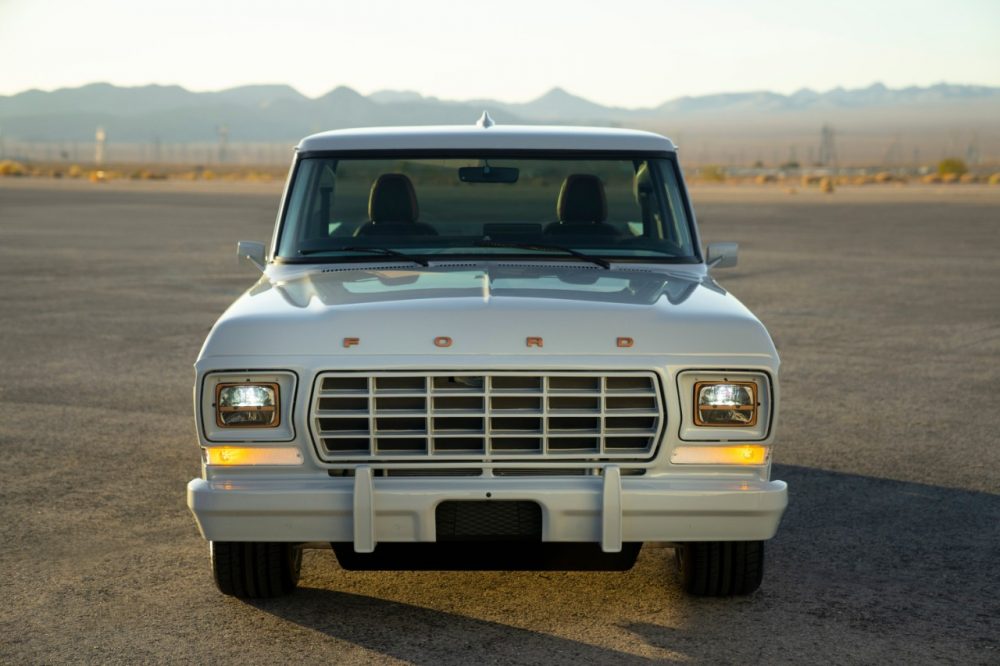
x=514 y=137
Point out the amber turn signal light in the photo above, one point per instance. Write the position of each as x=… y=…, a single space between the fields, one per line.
x=251 y=455
x=739 y=454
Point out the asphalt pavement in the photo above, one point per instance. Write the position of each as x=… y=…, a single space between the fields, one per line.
x=884 y=304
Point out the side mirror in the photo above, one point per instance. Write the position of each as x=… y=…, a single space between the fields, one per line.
x=253 y=252
x=721 y=255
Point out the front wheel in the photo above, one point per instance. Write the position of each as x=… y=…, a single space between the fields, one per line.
x=255 y=570
x=721 y=568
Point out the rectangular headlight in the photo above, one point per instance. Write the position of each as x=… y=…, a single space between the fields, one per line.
x=247 y=405
x=725 y=404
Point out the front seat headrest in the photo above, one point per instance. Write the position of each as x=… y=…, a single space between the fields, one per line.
x=642 y=185
x=582 y=200
x=392 y=199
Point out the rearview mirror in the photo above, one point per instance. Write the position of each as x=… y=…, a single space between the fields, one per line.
x=488 y=174
x=721 y=255
x=253 y=252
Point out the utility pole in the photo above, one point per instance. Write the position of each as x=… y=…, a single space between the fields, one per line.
x=223 y=133
x=100 y=139
x=827 y=147
x=893 y=154
x=972 y=152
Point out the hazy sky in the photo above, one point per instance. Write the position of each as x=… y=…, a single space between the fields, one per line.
x=630 y=53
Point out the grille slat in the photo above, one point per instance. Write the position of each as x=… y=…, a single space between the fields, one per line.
x=451 y=416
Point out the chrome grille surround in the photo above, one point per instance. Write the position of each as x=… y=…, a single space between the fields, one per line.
x=486 y=416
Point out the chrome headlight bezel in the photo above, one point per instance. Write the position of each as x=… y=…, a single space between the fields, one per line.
x=274 y=408
x=281 y=430
x=752 y=407
x=694 y=429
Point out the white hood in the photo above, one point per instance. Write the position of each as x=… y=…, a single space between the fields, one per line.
x=487 y=309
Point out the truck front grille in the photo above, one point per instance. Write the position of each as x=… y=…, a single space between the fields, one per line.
x=499 y=415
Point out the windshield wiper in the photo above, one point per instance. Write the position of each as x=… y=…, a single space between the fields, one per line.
x=374 y=250
x=545 y=247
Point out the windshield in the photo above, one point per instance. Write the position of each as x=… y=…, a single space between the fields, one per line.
x=397 y=208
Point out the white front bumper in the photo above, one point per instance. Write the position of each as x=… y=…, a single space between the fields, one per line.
x=608 y=509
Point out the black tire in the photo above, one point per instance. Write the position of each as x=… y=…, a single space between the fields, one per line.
x=255 y=570
x=721 y=568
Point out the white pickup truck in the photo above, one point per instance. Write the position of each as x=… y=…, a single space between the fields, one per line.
x=486 y=335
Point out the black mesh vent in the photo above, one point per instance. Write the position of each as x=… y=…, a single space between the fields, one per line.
x=489 y=521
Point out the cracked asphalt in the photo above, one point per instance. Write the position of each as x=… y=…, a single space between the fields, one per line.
x=884 y=304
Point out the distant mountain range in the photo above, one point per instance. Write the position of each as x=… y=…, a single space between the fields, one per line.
x=279 y=113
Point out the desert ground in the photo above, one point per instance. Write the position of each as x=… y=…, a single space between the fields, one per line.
x=884 y=303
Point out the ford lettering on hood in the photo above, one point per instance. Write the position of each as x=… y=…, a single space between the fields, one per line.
x=492 y=309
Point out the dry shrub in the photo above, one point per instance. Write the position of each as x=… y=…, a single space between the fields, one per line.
x=969 y=178
x=765 y=178
x=808 y=180
x=995 y=179
x=75 y=171
x=952 y=165
x=826 y=185
x=208 y=174
x=12 y=168
x=98 y=176
x=931 y=178
x=862 y=180
x=712 y=174
x=884 y=177
x=949 y=177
